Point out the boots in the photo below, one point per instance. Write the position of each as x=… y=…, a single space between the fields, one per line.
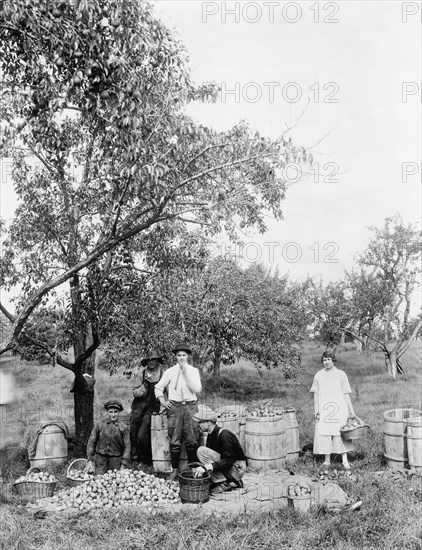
x=175 y=457
x=192 y=456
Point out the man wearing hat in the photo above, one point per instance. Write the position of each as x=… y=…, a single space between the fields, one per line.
x=143 y=405
x=222 y=456
x=109 y=442
x=181 y=384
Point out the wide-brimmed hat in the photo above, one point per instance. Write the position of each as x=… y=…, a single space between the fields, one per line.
x=205 y=413
x=113 y=403
x=182 y=347
x=153 y=355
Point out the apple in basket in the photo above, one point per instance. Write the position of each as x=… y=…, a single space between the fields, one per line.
x=298 y=489
x=352 y=423
x=39 y=477
x=80 y=475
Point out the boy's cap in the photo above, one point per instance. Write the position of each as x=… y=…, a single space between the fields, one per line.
x=113 y=403
x=205 y=413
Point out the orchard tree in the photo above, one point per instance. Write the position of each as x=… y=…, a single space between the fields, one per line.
x=374 y=301
x=93 y=92
x=223 y=310
x=392 y=260
x=331 y=311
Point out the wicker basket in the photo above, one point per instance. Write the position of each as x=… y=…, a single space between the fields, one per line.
x=79 y=465
x=195 y=490
x=355 y=433
x=34 y=489
x=349 y=434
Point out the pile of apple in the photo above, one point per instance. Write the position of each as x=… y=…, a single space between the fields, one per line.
x=115 y=489
x=261 y=412
x=300 y=489
x=39 y=477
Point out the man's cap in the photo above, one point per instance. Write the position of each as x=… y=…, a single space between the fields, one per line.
x=205 y=413
x=182 y=347
x=113 y=403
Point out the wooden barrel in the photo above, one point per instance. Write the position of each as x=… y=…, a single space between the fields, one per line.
x=230 y=423
x=395 y=437
x=265 y=442
x=242 y=429
x=292 y=434
x=414 y=443
x=124 y=417
x=51 y=448
x=160 y=445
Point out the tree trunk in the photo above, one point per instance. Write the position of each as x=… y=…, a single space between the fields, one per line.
x=391 y=360
x=216 y=365
x=358 y=345
x=83 y=398
x=84 y=412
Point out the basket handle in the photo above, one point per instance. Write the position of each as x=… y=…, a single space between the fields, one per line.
x=33 y=470
x=193 y=465
x=69 y=468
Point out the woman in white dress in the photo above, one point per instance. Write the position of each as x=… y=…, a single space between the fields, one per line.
x=332 y=407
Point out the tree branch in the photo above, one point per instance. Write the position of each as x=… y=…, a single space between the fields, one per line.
x=403 y=350
x=10 y=316
x=45 y=347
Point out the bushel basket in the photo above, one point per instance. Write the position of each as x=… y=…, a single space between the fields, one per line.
x=195 y=490
x=301 y=502
x=78 y=465
x=32 y=490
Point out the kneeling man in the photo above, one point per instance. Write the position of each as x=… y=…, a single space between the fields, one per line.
x=223 y=455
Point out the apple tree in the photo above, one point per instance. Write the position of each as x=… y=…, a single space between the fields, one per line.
x=92 y=105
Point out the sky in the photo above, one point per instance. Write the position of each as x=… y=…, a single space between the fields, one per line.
x=358 y=63
x=346 y=75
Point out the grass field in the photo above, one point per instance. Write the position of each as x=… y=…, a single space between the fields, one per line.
x=389 y=518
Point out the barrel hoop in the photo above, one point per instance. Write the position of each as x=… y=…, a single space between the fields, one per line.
x=264 y=459
x=395 y=458
x=267 y=433
x=396 y=434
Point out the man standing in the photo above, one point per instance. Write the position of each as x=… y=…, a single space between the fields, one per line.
x=223 y=455
x=181 y=383
x=143 y=405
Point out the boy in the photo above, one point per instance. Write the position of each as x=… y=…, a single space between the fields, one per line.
x=109 y=442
